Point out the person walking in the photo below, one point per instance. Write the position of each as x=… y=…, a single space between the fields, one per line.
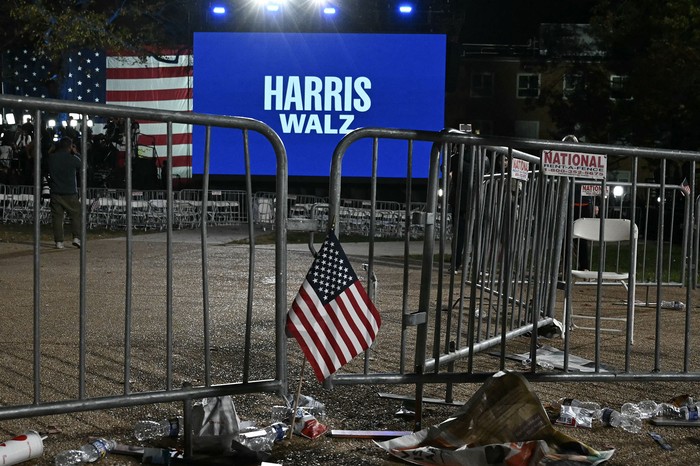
x=64 y=165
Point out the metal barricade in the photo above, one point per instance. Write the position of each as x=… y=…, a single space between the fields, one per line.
x=20 y=204
x=4 y=201
x=137 y=368
x=188 y=211
x=264 y=208
x=514 y=278
x=227 y=207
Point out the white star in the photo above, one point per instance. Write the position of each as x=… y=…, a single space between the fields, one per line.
x=80 y=97
x=80 y=83
x=70 y=89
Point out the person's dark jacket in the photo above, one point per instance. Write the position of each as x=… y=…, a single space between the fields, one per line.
x=64 y=167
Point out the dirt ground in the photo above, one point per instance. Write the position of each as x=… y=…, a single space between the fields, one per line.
x=347 y=407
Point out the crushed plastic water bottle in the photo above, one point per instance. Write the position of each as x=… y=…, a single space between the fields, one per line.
x=88 y=453
x=310 y=405
x=690 y=412
x=613 y=418
x=679 y=305
x=668 y=411
x=147 y=429
x=263 y=439
x=589 y=405
x=645 y=409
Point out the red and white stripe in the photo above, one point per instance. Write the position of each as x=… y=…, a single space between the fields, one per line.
x=161 y=85
x=331 y=335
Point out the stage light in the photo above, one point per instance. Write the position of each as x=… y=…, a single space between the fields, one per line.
x=329 y=10
x=218 y=10
x=90 y=123
x=52 y=123
x=26 y=118
x=273 y=7
x=10 y=118
x=405 y=9
x=73 y=123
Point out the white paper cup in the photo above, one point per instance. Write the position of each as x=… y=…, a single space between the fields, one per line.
x=21 y=448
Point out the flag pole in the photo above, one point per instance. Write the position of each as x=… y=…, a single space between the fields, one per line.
x=296 y=399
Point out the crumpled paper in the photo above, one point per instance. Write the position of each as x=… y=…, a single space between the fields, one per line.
x=503 y=424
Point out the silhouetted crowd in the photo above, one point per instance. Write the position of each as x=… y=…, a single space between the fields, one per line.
x=105 y=153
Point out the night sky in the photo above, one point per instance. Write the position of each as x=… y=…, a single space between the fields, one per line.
x=517 y=21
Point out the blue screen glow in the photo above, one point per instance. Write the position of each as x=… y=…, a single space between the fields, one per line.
x=312 y=89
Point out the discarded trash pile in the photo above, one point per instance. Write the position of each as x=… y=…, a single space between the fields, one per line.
x=578 y=413
x=504 y=422
x=217 y=432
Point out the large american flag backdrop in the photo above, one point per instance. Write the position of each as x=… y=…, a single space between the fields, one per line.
x=163 y=83
x=332 y=317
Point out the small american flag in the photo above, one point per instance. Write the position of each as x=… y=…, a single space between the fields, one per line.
x=332 y=317
x=685 y=187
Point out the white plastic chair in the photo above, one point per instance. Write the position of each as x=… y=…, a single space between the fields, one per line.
x=615 y=231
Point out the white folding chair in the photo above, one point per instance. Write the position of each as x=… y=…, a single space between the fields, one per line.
x=614 y=231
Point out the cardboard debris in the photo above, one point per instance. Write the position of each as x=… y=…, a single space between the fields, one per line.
x=555 y=358
x=412 y=399
x=662 y=421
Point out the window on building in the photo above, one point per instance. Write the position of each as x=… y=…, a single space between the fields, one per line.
x=482 y=85
x=573 y=84
x=618 y=87
x=528 y=85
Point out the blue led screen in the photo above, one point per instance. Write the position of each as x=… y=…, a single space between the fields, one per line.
x=312 y=89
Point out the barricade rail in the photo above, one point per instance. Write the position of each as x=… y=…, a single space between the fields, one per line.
x=517 y=259
x=205 y=374
x=512 y=278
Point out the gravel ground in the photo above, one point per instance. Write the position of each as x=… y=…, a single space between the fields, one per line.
x=347 y=407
